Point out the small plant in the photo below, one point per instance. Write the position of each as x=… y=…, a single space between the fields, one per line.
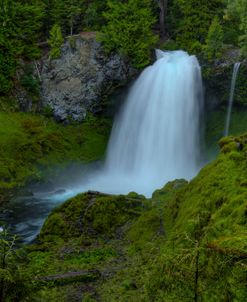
x=12 y=284
x=55 y=41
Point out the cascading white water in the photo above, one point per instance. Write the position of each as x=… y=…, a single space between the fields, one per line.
x=155 y=138
x=231 y=98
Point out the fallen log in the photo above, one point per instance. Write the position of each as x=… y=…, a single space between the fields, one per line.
x=69 y=277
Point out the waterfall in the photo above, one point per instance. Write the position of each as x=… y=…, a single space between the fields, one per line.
x=155 y=137
x=231 y=98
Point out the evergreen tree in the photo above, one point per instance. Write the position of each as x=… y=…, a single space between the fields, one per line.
x=7 y=65
x=214 y=41
x=29 y=18
x=67 y=14
x=237 y=9
x=93 y=17
x=19 y=32
x=55 y=41
x=192 y=19
x=129 y=30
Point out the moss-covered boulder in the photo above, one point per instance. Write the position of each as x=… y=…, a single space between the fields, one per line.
x=92 y=214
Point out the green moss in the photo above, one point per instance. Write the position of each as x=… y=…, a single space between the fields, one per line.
x=203 y=220
x=83 y=234
x=31 y=143
x=155 y=250
x=91 y=214
x=210 y=221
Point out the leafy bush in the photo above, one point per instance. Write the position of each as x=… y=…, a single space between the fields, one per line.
x=13 y=284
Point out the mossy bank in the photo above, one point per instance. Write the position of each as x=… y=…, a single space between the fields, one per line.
x=187 y=243
x=31 y=145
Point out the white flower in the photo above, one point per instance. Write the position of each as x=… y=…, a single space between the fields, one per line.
x=1 y=229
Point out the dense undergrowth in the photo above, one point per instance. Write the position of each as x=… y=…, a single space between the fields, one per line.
x=187 y=243
x=31 y=144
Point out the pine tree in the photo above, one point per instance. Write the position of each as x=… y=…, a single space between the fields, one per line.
x=93 y=17
x=129 y=30
x=19 y=32
x=67 y=14
x=214 y=41
x=55 y=41
x=192 y=19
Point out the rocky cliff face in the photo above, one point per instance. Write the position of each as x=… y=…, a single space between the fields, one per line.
x=81 y=78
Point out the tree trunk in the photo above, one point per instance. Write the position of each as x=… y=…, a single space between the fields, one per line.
x=163 y=13
x=3 y=266
x=196 y=274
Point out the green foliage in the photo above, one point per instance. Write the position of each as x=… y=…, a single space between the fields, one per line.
x=29 y=81
x=93 y=17
x=67 y=14
x=214 y=41
x=55 y=41
x=13 y=285
x=237 y=10
x=191 y=20
x=20 y=24
x=129 y=30
x=169 y=45
x=7 y=65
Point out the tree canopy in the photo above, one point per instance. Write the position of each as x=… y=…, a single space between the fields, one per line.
x=130 y=27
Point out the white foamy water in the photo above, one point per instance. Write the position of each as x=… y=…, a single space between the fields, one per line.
x=155 y=138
